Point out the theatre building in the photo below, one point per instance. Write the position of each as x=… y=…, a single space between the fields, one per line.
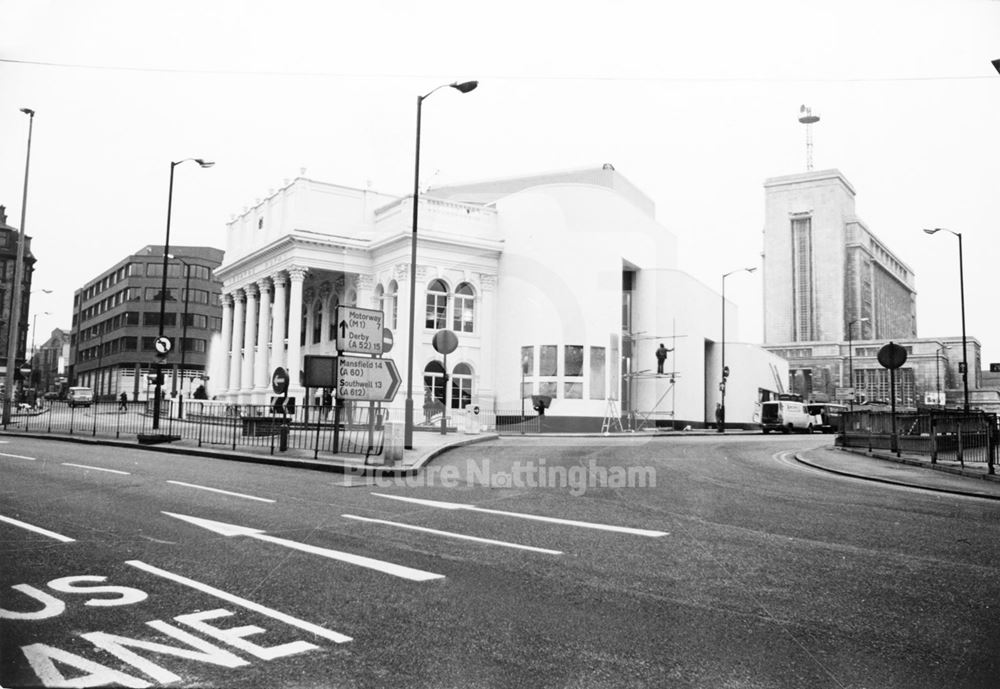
x=559 y=285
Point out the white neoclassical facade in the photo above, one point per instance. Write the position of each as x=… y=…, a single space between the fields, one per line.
x=561 y=285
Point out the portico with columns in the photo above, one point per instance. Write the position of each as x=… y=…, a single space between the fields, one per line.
x=281 y=290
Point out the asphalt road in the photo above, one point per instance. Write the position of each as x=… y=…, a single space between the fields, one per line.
x=738 y=568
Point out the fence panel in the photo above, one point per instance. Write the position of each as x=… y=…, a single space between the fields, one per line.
x=943 y=435
x=218 y=424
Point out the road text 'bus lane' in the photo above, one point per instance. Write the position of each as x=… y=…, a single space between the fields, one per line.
x=88 y=630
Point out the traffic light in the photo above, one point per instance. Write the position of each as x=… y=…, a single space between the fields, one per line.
x=725 y=371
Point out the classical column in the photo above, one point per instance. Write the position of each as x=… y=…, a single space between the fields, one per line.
x=364 y=286
x=227 y=340
x=278 y=328
x=249 y=333
x=260 y=373
x=297 y=277
x=236 y=362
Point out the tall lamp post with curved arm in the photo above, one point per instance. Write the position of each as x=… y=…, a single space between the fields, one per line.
x=961 y=288
x=463 y=87
x=163 y=286
x=725 y=369
x=13 y=326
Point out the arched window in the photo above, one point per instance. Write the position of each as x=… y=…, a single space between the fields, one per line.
x=393 y=312
x=461 y=386
x=465 y=309
x=434 y=392
x=317 y=321
x=380 y=302
x=334 y=303
x=437 y=305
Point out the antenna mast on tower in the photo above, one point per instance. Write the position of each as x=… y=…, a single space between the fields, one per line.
x=807 y=118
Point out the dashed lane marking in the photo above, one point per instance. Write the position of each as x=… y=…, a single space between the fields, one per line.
x=379 y=565
x=37 y=529
x=449 y=534
x=6 y=454
x=219 y=490
x=521 y=515
x=85 y=466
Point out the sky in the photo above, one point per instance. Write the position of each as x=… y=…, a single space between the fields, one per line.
x=696 y=103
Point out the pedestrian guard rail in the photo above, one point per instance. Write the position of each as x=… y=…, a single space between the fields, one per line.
x=356 y=430
x=942 y=435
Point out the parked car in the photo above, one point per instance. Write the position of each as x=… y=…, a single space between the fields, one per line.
x=826 y=416
x=80 y=397
x=785 y=416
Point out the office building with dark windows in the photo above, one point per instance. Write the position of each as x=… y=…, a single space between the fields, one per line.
x=116 y=320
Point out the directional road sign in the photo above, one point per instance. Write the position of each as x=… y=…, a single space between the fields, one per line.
x=371 y=380
x=359 y=330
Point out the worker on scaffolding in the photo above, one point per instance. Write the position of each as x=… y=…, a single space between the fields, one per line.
x=661 y=356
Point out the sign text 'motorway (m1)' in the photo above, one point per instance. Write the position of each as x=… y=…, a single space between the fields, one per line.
x=371 y=380
x=359 y=330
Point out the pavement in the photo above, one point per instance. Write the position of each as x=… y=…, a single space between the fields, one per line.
x=426 y=445
x=910 y=470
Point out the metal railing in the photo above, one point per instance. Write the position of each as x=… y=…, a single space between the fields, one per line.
x=210 y=423
x=508 y=422
x=941 y=435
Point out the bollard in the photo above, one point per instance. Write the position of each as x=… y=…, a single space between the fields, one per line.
x=392 y=442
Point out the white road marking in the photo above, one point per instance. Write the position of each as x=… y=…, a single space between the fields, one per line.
x=454 y=535
x=380 y=565
x=5 y=454
x=85 y=466
x=218 y=490
x=336 y=637
x=521 y=515
x=38 y=529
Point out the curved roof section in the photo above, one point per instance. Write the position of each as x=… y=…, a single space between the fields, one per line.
x=489 y=191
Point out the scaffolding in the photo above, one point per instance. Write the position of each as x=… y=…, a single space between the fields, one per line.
x=637 y=419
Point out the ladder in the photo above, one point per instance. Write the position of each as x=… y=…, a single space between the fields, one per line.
x=612 y=418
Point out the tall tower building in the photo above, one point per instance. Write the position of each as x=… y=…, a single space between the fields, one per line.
x=824 y=269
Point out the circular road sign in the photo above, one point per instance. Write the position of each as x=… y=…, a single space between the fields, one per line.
x=162 y=345
x=279 y=381
x=892 y=355
x=386 y=340
x=445 y=341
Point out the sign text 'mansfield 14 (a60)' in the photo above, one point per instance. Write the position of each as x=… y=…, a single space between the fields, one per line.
x=359 y=330
x=371 y=380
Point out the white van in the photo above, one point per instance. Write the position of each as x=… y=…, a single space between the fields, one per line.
x=80 y=397
x=785 y=416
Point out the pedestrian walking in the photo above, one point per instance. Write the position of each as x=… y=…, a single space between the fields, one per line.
x=123 y=402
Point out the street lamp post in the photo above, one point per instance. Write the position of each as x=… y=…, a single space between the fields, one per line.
x=725 y=369
x=163 y=286
x=961 y=287
x=463 y=87
x=850 y=357
x=15 y=306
